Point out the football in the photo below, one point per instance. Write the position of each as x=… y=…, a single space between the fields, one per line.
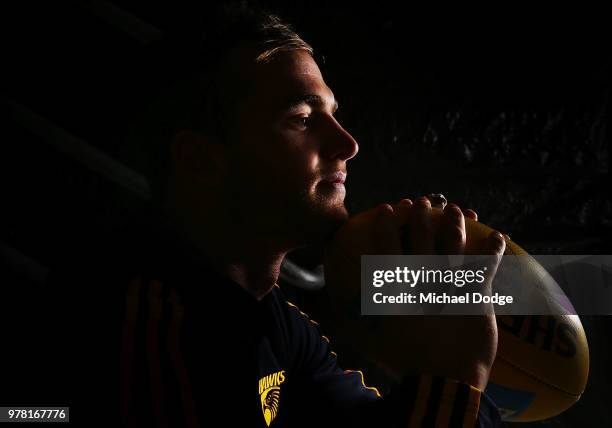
x=542 y=362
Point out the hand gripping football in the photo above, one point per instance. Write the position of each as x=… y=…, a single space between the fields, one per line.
x=542 y=362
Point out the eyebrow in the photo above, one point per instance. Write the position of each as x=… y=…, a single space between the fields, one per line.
x=314 y=101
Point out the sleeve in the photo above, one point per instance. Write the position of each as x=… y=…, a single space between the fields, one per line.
x=421 y=400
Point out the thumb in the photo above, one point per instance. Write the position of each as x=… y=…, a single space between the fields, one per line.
x=496 y=244
x=495 y=247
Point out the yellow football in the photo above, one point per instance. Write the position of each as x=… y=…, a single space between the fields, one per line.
x=542 y=362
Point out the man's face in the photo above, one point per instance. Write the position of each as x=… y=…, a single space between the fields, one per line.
x=287 y=170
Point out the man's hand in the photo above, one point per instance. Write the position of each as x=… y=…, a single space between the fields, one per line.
x=458 y=347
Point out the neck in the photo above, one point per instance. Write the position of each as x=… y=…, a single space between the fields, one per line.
x=250 y=260
x=257 y=274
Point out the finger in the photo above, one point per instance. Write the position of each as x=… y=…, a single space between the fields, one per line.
x=421 y=228
x=495 y=246
x=402 y=211
x=451 y=234
x=471 y=214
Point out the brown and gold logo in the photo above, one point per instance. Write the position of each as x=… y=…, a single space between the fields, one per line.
x=269 y=394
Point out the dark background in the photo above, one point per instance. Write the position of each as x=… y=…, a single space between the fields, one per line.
x=504 y=111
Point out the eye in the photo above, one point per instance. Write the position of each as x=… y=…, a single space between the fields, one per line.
x=303 y=121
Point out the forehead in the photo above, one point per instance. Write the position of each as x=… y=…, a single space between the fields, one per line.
x=287 y=76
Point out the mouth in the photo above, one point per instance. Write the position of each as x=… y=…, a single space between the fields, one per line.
x=337 y=178
x=333 y=185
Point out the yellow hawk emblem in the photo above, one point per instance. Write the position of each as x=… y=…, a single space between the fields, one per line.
x=269 y=394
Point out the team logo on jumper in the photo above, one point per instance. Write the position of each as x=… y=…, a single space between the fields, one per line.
x=269 y=394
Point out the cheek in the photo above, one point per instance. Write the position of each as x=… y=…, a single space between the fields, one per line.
x=299 y=169
x=279 y=158
x=298 y=152
x=291 y=160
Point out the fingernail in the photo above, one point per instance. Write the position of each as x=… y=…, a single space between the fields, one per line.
x=472 y=214
x=437 y=200
x=406 y=202
x=386 y=209
x=423 y=201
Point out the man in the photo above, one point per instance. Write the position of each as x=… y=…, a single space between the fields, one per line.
x=255 y=167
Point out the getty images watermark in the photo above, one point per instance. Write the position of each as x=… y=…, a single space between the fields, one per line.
x=522 y=285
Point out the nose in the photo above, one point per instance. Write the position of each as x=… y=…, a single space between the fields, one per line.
x=339 y=143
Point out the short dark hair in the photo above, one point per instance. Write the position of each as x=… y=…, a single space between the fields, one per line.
x=198 y=99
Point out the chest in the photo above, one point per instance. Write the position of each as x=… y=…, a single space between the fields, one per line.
x=188 y=363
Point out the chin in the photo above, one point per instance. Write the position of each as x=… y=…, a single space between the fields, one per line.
x=318 y=215
x=323 y=221
x=339 y=213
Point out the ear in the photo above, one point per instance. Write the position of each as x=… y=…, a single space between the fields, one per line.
x=198 y=157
